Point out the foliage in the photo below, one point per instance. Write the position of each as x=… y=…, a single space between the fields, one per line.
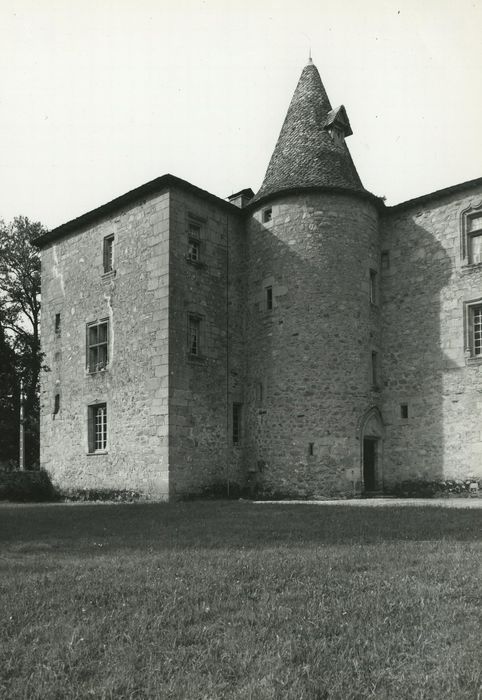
x=233 y=600
x=20 y=325
x=26 y=486
x=102 y=495
x=421 y=488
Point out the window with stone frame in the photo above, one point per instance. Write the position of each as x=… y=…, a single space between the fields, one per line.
x=97 y=427
x=474 y=238
x=194 y=237
x=97 y=345
x=471 y=236
x=108 y=254
x=194 y=344
x=474 y=329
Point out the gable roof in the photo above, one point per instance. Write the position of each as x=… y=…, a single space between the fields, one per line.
x=148 y=188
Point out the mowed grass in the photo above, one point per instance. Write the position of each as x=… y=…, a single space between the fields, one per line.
x=237 y=600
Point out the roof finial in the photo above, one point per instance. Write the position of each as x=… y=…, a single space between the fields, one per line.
x=310 y=60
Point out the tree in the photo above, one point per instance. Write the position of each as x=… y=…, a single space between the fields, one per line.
x=20 y=318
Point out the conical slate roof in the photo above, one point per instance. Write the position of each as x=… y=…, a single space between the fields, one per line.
x=306 y=155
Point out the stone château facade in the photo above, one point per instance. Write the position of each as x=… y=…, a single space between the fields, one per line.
x=308 y=340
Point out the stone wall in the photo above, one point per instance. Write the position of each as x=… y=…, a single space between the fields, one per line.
x=135 y=384
x=309 y=379
x=424 y=287
x=204 y=386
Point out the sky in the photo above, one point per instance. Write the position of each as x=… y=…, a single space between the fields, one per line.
x=99 y=97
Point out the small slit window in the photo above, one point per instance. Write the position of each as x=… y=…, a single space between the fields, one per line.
x=56 y=404
x=108 y=254
x=57 y=324
x=373 y=287
x=194 y=334
x=237 y=416
x=267 y=215
x=404 y=411
x=269 y=298
x=374 y=369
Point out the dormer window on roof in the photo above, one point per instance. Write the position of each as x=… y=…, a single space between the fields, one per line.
x=337 y=124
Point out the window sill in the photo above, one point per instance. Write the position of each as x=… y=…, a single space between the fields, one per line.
x=471 y=267
x=109 y=275
x=196 y=359
x=97 y=453
x=475 y=360
x=195 y=263
x=95 y=372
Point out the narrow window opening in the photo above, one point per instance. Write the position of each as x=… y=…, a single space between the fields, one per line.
x=267 y=215
x=108 y=254
x=269 y=298
x=194 y=335
x=404 y=411
x=57 y=324
x=237 y=412
x=98 y=428
x=259 y=393
x=373 y=287
x=311 y=448
x=374 y=369
x=56 y=404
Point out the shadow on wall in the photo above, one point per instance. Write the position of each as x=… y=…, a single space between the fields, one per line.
x=416 y=268
x=314 y=337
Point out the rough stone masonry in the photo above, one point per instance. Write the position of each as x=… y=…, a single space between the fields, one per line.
x=304 y=341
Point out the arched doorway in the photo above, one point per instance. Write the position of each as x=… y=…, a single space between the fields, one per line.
x=371 y=444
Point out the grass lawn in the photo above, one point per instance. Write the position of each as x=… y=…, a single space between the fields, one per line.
x=236 y=600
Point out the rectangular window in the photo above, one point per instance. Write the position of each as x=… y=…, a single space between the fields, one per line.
x=56 y=404
x=259 y=393
x=97 y=346
x=311 y=449
x=404 y=411
x=57 y=324
x=108 y=254
x=374 y=369
x=98 y=427
x=269 y=298
x=373 y=287
x=474 y=238
x=194 y=334
x=193 y=251
x=237 y=415
x=475 y=330
x=267 y=215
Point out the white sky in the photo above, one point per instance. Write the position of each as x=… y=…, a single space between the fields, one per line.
x=98 y=97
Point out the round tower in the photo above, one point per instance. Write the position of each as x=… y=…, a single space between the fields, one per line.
x=313 y=426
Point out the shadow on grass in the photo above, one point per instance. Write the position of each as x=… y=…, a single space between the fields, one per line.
x=221 y=524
